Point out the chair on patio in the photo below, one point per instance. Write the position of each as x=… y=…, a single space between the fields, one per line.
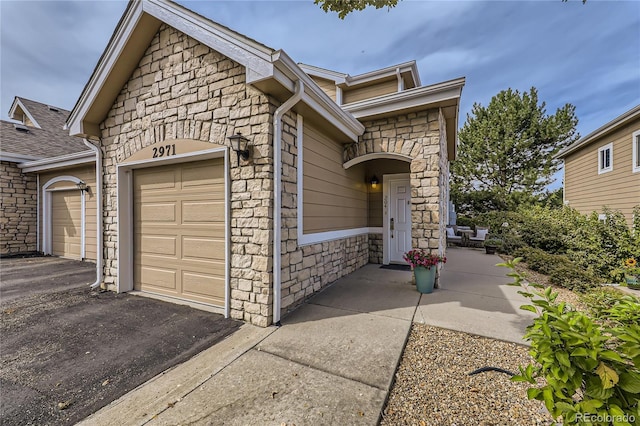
x=480 y=237
x=452 y=238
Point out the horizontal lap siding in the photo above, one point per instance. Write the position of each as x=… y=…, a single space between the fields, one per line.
x=327 y=86
x=88 y=175
x=334 y=198
x=619 y=189
x=368 y=92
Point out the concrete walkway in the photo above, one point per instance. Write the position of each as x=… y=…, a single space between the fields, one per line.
x=333 y=359
x=474 y=297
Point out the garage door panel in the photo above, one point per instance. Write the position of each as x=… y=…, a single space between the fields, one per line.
x=179 y=231
x=158 y=245
x=158 y=278
x=156 y=179
x=207 y=249
x=203 y=175
x=201 y=284
x=202 y=212
x=158 y=212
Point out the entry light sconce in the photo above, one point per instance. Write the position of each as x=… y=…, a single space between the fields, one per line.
x=240 y=145
x=82 y=186
x=374 y=182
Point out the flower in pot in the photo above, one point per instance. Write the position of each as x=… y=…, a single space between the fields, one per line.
x=491 y=245
x=424 y=267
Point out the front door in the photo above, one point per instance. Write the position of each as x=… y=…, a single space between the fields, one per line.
x=398 y=217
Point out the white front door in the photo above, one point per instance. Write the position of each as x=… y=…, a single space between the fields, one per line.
x=397 y=218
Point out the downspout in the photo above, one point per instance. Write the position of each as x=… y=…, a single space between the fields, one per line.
x=99 y=250
x=277 y=195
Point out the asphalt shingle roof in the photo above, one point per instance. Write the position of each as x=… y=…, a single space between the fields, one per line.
x=51 y=140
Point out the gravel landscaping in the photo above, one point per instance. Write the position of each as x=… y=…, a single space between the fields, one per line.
x=432 y=385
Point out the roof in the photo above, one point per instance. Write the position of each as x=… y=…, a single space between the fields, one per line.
x=409 y=68
x=271 y=71
x=601 y=132
x=48 y=139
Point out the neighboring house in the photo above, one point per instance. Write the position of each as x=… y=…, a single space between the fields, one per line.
x=603 y=168
x=42 y=208
x=339 y=170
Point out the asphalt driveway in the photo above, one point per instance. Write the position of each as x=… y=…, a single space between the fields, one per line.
x=67 y=351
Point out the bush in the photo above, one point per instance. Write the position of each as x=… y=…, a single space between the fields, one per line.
x=561 y=270
x=573 y=278
x=589 y=366
x=595 y=246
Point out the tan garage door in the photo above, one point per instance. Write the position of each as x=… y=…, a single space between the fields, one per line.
x=179 y=220
x=66 y=224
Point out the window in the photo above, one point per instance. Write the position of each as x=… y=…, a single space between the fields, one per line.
x=605 y=159
x=636 y=152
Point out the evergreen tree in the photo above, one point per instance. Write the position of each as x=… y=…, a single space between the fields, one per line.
x=505 y=152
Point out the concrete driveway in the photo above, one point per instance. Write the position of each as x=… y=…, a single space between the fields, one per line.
x=67 y=351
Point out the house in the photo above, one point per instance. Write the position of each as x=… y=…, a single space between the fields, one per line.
x=231 y=176
x=603 y=168
x=42 y=208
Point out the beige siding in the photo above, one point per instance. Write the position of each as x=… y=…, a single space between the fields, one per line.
x=619 y=189
x=369 y=91
x=334 y=198
x=88 y=175
x=328 y=86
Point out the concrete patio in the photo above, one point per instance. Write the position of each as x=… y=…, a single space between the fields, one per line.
x=333 y=359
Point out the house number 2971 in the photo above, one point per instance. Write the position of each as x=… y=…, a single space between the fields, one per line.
x=164 y=151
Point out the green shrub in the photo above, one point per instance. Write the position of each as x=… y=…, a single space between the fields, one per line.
x=573 y=278
x=589 y=366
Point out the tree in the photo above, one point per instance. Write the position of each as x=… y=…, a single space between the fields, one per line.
x=344 y=7
x=505 y=152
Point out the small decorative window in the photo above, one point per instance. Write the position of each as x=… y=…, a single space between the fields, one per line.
x=605 y=158
x=636 y=151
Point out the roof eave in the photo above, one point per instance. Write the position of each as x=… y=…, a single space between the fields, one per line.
x=83 y=157
x=419 y=96
x=600 y=132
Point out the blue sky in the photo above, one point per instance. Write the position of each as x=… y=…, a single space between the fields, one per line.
x=584 y=54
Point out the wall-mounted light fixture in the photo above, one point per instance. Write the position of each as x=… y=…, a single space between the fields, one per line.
x=82 y=186
x=240 y=145
x=374 y=182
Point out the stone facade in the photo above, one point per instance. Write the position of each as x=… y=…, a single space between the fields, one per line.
x=375 y=248
x=18 y=210
x=182 y=89
x=419 y=136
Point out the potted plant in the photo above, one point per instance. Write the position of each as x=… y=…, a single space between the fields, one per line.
x=491 y=245
x=631 y=273
x=424 y=267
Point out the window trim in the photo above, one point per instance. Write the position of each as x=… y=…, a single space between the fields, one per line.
x=635 y=156
x=602 y=169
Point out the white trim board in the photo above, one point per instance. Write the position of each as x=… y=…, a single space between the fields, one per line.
x=77 y=158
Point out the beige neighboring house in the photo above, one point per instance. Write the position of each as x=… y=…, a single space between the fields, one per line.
x=42 y=208
x=338 y=170
x=603 y=168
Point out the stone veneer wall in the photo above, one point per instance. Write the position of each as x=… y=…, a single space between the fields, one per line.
x=183 y=89
x=418 y=136
x=307 y=269
x=18 y=210
x=375 y=248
